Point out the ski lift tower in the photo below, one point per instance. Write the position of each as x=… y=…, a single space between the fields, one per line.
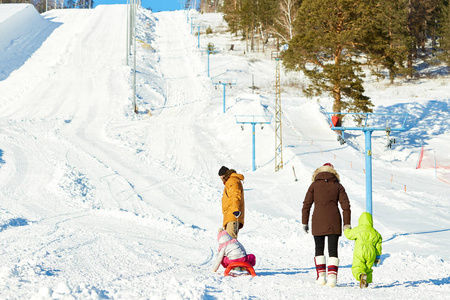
x=224 y=82
x=397 y=120
x=192 y=22
x=209 y=51
x=187 y=6
x=198 y=33
x=278 y=133
x=253 y=119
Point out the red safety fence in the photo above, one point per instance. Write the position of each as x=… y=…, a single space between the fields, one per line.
x=429 y=160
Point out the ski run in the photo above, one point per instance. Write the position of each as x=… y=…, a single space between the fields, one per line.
x=97 y=202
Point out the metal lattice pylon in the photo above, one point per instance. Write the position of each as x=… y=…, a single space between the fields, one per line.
x=278 y=124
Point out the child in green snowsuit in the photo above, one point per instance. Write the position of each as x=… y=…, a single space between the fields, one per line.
x=367 y=248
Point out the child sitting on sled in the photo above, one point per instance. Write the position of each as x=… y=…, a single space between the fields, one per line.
x=230 y=250
x=367 y=249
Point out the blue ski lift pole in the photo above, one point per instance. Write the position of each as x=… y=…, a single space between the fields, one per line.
x=367 y=129
x=209 y=52
x=192 y=25
x=208 y=61
x=224 y=84
x=254 y=122
x=198 y=34
x=368 y=137
x=253 y=146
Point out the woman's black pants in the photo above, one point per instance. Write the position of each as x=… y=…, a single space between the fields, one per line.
x=332 y=244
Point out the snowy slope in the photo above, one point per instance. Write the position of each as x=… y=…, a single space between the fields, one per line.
x=100 y=203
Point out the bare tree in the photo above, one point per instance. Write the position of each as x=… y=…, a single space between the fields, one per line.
x=284 y=22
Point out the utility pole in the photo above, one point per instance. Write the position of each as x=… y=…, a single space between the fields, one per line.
x=278 y=113
x=132 y=7
x=134 y=58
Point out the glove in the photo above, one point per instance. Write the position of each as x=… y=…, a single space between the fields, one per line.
x=348 y=226
x=377 y=261
x=305 y=228
x=237 y=214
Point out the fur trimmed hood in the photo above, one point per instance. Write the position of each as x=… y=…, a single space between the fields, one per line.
x=327 y=169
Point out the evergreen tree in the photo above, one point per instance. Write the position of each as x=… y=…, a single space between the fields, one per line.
x=422 y=24
x=327 y=47
x=266 y=13
x=386 y=38
x=85 y=3
x=231 y=10
x=444 y=31
x=247 y=21
x=252 y=18
x=70 y=3
x=39 y=5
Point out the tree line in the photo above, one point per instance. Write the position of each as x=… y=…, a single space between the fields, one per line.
x=331 y=41
x=43 y=5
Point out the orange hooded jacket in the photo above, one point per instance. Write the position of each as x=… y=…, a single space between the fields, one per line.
x=233 y=200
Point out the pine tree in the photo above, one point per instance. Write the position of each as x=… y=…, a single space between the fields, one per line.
x=444 y=32
x=386 y=40
x=252 y=18
x=327 y=47
x=231 y=10
x=248 y=21
x=422 y=24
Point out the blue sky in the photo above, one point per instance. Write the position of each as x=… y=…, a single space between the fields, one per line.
x=156 y=5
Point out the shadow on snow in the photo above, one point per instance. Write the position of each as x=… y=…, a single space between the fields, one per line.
x=16 y=222
x=23 y=47
x=414 y=233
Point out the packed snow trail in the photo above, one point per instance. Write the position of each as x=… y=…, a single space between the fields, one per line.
x=58 y=128
x=100 y=203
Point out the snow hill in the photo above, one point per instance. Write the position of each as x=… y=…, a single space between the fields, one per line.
x=100 y=203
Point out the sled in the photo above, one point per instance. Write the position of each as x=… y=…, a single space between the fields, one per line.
x=244 y=265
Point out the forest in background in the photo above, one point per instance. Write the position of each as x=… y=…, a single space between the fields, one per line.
x=333 y=44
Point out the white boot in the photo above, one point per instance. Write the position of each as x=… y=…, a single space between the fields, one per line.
x=322 y=279
x=321 y=269
x=333 y=266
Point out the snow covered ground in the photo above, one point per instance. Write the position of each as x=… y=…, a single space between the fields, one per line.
x=100 y=203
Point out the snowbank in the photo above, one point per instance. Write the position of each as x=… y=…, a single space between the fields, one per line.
x=17 y=20
x=22 y=32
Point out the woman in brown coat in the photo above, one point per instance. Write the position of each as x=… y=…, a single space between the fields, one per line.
x=233 y=205
x=325 y=192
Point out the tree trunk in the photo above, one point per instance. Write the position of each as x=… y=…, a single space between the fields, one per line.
x=337 y=88
x=410 y=64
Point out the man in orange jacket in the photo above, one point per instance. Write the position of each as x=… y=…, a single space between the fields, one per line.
x=233 y=206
